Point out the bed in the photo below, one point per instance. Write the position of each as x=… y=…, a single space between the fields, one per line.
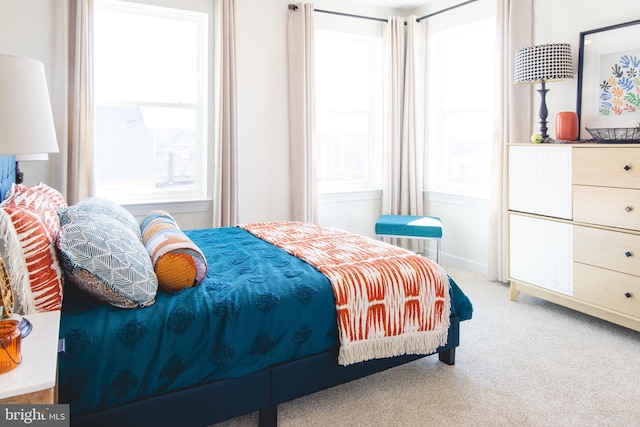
x=259 y=329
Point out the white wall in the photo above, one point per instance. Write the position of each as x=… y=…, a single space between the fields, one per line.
x=262 y=110
x=561 y=22
x=355 y=212
x=25 y=30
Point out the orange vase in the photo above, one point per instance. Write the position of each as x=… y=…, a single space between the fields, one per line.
x=567 y=126
x=10 y=343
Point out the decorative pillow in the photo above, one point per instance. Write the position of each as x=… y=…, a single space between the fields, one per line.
x=54 y=195
x=177 y=261
x=11 y=252
x=31 y=198
x=36 y=223
x=95 y=207
x=103 y=257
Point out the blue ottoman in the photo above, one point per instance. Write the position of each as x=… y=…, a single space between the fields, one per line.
x=411 y=227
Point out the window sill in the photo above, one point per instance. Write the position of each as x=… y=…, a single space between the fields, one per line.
x=350 y=196
x=187 y=206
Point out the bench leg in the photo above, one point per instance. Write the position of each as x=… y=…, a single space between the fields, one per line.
x=380 y=237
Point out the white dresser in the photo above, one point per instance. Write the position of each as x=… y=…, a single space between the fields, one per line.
x=574 y=227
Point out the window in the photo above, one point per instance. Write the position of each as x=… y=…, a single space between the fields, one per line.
x=460 y=101
x=151 y=102
x=348 y=110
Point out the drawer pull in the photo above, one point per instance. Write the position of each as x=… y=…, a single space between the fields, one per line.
x=628 y=254
x=628 y=294
x=627 y=167
x=628 y=208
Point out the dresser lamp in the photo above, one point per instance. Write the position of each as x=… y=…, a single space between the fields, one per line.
x=26 y=120
x=540 y=64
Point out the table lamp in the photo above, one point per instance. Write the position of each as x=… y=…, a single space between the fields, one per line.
x=540 y=64
x=26 y=120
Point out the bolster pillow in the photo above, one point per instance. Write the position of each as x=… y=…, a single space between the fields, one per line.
x=177 y=261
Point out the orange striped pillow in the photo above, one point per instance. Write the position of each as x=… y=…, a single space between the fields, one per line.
x=54 y=195
x=177 y=261
x=36 y=223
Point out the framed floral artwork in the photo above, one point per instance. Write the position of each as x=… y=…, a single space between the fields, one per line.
x=609 y=77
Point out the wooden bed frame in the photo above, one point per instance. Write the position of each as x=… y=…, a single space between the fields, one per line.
x=261 y=391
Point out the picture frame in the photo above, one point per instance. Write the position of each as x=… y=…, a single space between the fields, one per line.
x=609 y=77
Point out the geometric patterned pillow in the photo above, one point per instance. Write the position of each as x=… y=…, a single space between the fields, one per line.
x=106 y=259
x=36 y=223
x=95 y=207
x=177 y=261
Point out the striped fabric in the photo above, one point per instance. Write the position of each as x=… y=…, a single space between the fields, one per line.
x=389 y=301
x=36 y=224
x=55 y=197
x=177 y=261
x=16 y=266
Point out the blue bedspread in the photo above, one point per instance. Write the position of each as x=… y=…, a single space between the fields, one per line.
x=258 y=306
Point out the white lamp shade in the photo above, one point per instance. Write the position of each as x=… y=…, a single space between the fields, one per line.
x=26 y=120
x=32 y=157
x=545 y=62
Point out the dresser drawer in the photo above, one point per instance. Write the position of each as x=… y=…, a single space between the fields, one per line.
x=541 y=252
x=540 y=180
x=607 y=249
x=609 y=289
x=613 y=207
x=607 y=167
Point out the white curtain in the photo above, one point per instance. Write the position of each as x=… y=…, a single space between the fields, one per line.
x=394 y=111
x=73 y=170
x=513 y=103
x=225 y=158
x=405 y=105
x=411 y=200
x=304 y=191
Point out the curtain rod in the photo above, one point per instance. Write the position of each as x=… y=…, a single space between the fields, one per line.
x=371 y=18
x=455 y=6
x=294 y=7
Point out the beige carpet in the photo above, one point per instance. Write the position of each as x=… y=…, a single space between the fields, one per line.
x=525 y=363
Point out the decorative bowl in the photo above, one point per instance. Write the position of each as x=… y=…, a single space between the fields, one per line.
x=615 y=135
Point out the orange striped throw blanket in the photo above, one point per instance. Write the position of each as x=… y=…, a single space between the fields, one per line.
x=389 y=301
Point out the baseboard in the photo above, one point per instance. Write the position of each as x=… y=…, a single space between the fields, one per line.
x=467 y=264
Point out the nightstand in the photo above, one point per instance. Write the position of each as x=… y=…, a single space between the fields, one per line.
x=35 y=380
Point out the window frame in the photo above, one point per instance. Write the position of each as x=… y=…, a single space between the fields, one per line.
x=438 y=148
x=202 y=15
